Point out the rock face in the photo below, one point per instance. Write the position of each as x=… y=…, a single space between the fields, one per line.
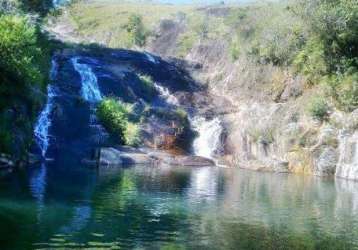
x=125 y=156
x=269 y=128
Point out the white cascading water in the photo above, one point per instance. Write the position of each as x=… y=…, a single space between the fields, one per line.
x=59 y=3
x=44 y=120
x=89 y=90
x=151 y=58
x=347 y=166
x=208 y=141
x=165 y=94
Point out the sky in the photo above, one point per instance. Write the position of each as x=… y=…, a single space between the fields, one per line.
x=201 y=1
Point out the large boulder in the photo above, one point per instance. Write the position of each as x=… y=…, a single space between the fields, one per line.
x=123 y=156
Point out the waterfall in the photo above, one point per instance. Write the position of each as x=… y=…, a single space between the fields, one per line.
x=165 y=94
x=59 y=3
x=347 y=166
x=151 y=58
x=89 y=90
x=208 y=141
x=44 y=120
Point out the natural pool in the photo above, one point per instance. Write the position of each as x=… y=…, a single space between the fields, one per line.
x=143 y=207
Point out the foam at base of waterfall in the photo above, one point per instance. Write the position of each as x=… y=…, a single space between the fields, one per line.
x=208 y=141
x=89 y=90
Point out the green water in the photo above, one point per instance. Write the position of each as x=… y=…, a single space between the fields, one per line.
x=53 y=207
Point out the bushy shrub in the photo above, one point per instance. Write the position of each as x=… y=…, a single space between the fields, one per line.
x=344 y=89
x=234 y=50
x=131 y=134
x=136 y=30
x=114 y=115
x=318 y=108
x=311 y=62
x=331 y=53
x=18 y=50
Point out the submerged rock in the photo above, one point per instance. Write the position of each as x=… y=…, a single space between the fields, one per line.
x=124 y=156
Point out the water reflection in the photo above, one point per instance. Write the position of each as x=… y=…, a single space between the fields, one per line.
x=203 y=184
x=38 y=188
x=81 y=215
x=148 y=207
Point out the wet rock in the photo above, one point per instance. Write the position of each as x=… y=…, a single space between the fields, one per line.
x=181 y=160
x=280 y=167
x=124 y=156
x=325 y=163
x=6 y=162
x=32 y=158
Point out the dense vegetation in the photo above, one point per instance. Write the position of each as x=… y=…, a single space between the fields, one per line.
x=24 y=67
x=314 y=38
x=115 y=116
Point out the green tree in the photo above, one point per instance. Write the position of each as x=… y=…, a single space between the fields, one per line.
x=136 y=30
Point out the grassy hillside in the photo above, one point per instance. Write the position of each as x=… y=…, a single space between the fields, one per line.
x=107 y=21
x=316 y=39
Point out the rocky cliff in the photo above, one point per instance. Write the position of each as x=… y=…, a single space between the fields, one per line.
x=267 y=126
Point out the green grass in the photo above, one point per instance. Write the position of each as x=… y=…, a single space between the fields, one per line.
x=147 y=86
x=106 y=21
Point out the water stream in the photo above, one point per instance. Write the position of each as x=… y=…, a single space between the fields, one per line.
x=166 y=95
x=89 y=90
x=151 y=58
x=43 y=123
x=208 y=141
x=209 y=131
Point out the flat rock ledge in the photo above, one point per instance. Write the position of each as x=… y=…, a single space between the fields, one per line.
x=126 y=156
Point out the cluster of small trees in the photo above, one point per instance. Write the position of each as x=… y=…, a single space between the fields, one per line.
x=24 y=67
